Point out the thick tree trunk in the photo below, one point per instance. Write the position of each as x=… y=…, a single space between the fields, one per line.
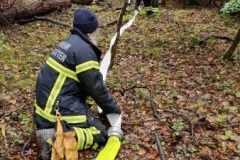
x=82 y=1
x=230 y=51
x=12 y=14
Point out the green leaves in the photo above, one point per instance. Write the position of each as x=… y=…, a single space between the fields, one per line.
x=233 y=6
x=228 y=135
x=4 y=46
x=159 y=52
x=178 y=127
x=237 y=94
x=135 y=147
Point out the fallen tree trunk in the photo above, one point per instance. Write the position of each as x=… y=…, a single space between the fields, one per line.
x=82 y=1
x=13 y=14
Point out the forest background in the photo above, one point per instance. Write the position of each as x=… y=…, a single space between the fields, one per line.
x=168 y=77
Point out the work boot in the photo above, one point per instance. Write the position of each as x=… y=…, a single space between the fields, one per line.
x=136 y=8
x=42 y=136
x=149 y=13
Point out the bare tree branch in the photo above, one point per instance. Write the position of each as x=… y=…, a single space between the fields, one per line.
x=159 y=145
x=36 y=18
x=230 y=51
x=203 y=41
x=114 y=47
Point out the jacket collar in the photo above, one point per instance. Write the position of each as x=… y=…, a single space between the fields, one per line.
x=79 y=33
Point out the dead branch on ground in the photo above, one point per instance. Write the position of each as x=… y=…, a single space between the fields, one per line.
x=191 y=126
x=159 y=146
x=36 y=18
x=22 y=152
x=204 y=40
x=150 y=96
x=12 y=112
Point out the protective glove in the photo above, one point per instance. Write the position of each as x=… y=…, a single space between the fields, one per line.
x=54 y=155
x=57 y=148
x=69 y=142
x=70 y=145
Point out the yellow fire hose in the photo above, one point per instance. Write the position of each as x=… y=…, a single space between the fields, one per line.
x=110 y=150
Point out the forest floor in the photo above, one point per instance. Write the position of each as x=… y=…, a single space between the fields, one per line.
x=162 y=78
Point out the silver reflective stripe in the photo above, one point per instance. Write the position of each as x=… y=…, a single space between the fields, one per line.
x=86 y=66
x=94 y=130
x=55 y=92
x=52 y=118
x=80 y=137
x=61 y=69
x=89 y=138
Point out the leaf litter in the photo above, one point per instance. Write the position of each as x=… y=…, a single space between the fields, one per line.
x=195 y=92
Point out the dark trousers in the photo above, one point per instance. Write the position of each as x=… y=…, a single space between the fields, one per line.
x=147 y=3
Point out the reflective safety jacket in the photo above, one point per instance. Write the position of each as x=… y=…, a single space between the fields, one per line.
x=71 y=73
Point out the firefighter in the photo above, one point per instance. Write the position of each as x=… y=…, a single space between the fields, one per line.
x=151 y=6
x=71 y=75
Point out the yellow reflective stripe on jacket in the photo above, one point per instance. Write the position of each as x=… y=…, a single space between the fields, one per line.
x=94 y=130
x=89 y=138
x=52 y=118
x=89 y=100
x=61 y=69
x=80 y=137
x=86 y=66
x=54 y=92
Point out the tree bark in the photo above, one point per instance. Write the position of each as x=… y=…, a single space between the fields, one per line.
x=82 y=1
x=119 y=24
x=230 y=51
x=13 y=14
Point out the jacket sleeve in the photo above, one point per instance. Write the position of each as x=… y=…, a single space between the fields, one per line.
x=92 y=83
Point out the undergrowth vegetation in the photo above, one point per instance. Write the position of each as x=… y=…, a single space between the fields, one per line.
x=159 y=66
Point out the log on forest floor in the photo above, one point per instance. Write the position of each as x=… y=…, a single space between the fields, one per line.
x=13 y=14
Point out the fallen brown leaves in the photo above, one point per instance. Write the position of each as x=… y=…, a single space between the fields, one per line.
x=195 y=92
